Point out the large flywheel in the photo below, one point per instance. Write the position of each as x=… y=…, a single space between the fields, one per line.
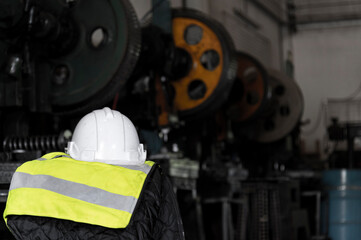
x=105 y=54
x=280 y=113
x=73 y=56
x=287 y=110
x=207 y=82
x=250 y=92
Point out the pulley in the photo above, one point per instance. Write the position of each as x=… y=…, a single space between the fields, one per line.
x=76 y=54
x=203 y=86
x=280 y=116
x=103 y=58
x=250 y=92
x=287 y=111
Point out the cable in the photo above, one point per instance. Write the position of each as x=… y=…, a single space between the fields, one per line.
x=323 y=110
x=318 y=121
x=350 y=97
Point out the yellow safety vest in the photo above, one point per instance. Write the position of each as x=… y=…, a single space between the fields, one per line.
x=58 y=186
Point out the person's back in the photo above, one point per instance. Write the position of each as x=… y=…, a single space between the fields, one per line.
x=104 y=188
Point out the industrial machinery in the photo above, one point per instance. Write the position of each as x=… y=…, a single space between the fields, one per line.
x=58 y=58
x=194 y=99
x=57 y=63
x=265 y=105
x=183 y=77
x=187 y=73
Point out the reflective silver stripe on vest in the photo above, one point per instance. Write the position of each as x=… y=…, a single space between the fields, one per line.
x=41 y=159
x=74 y=190
x=144 y=167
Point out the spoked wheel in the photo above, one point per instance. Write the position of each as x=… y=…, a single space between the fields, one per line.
x=249 y=95
x=103 y=57
x=280 y=116
x=287 y=110
x=207 y=83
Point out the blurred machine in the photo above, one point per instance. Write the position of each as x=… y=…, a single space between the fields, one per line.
x=57 y=63
x=58 y=58
x=210 y=115
x=265 y=106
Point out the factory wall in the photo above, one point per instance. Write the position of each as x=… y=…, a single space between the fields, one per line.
x=141 y=7
x=253 y=28
x=327 y=65
x=201 y=5
x=270 y=28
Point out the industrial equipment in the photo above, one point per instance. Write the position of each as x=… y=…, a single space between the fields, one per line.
x=213 y=65
x=188 y=72
x=251 y=92
x=193 y=98
x=57 y=63
x=57 y=57
x=265 y=105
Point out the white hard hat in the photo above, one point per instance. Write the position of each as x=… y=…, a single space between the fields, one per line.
x=106 y=136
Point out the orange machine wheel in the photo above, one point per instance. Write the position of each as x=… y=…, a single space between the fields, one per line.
x=208 y=82
x=250 y=91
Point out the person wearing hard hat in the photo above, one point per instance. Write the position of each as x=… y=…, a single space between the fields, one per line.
x=102 y=188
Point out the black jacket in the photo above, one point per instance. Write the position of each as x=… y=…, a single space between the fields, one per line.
x=156 y=217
